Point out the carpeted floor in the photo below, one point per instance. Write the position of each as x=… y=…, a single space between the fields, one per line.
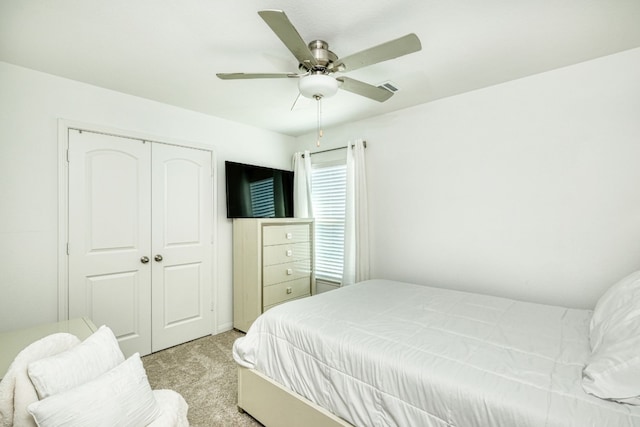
x=205 y=374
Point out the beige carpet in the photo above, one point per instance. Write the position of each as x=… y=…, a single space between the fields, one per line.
x=204 y=373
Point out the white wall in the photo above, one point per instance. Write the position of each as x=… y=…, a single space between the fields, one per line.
x=30 y=105
x=529 y=189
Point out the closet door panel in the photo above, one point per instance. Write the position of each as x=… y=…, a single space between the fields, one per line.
x=116 y=293
x=182 y=214
x=109 y=234
x=182 y=289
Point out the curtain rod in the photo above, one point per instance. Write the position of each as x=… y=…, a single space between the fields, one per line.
x=334 y=149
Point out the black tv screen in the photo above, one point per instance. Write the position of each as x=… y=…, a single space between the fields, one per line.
x=258 y=192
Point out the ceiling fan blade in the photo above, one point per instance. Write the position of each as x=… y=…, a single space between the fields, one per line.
x=240 y=76
x=284 y=29
x=382 y=52
x=365 y=89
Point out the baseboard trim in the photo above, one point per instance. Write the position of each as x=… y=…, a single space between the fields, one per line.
x=224 y=327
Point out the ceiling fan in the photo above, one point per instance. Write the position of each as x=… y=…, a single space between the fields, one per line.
x=317 y=63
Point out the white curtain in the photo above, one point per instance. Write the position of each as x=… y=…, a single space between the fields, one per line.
x=356 y=233
x=302 y=185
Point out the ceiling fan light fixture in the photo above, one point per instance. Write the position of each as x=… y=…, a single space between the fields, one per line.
x=317 y=85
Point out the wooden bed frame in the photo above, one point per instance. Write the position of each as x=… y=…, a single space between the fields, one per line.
x=274 y=405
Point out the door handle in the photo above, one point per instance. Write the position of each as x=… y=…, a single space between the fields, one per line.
x=158 y=258
x=144 y=259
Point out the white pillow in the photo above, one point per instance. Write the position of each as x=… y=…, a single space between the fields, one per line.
x=91 y=358
x=606 y=314
x=614 y=371
x=121 y=397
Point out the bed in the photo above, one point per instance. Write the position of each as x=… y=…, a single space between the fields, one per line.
x=386 y=353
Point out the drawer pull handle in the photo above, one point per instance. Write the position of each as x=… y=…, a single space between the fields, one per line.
x=289 y=236
x=289 y=271
x=289 y=252
x=289 y=290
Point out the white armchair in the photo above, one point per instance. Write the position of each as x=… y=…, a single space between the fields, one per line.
x=60 y=380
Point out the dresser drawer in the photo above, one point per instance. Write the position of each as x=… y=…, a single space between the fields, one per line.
x=285 y=272
x=280 y=254
x=287 y=233
x=282 y=292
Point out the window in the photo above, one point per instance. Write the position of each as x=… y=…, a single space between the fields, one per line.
x=328 y=195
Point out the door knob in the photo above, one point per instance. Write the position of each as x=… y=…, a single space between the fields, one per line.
x=144 y=259
x=158 y=258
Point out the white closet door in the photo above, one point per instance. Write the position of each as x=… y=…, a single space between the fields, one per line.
x=110 y=235
x=182 y=206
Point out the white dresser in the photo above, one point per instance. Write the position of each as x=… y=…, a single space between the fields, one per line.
x=272 y=264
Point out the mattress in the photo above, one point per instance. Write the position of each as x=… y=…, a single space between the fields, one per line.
x=386 y=353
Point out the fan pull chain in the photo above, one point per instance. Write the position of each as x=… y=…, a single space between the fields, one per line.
x=319 y=100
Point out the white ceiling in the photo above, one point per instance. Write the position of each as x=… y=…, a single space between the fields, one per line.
x=170 y=50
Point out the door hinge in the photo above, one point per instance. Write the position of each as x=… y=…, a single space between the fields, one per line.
x=68 y=249
x=67 y=155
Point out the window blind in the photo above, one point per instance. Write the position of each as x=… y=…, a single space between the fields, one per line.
x=328 y=195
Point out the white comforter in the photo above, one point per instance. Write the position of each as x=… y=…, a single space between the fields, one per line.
x=383 y=353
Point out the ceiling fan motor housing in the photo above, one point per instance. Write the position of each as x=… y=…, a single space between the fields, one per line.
x=324 y=58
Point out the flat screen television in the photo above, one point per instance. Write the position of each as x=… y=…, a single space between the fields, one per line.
x=258 y=192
